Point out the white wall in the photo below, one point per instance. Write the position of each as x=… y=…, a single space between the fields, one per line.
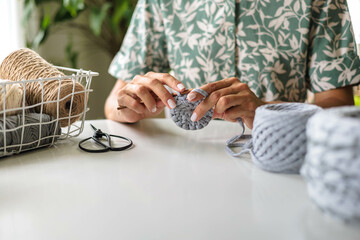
x=354 y=8
x=12 y=36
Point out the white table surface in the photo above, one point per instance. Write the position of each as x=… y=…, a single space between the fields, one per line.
x=174 y=184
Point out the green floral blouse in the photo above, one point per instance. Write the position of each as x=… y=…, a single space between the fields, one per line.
x=280 y=48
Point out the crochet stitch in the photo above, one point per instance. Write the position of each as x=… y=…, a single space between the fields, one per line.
x=181 y=114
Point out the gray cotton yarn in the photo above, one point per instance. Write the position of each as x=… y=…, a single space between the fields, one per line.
x=332 y=164
x=234 y=142
x=278 y=141
x=181 y=114
x=31 y=123
x=279 y=136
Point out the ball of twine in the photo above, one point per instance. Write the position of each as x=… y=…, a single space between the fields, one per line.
x=181 y=114
x=36 y=128
x=278 y=136
x=332 y=163
x=25 y=64
x=12 y=95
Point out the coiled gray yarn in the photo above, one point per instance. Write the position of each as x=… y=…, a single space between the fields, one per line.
x=181 y=114
x=278 y=141
x=31 y=134
x=332 y=163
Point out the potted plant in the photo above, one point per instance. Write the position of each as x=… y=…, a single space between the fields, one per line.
x=104 y=22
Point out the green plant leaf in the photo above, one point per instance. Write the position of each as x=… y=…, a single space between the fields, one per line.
x=71 y=54
x=29 y=7
x=97 y=17
x=39 y=38
x=357 y=100
x=73 y=6
x=63 y=14
x=45 y=22
x=120 y=9
x=39 y=2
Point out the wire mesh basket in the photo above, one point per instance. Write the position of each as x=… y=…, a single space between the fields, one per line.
x=28 y=126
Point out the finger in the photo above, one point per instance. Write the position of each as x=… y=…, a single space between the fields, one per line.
x=160 y=105
x=131 y=116
x=218 y=115
x=234 y=113
x=231 y=100
x=144 y=95
x=129 y=102
x=168 y=80
x=158 y=88
x=159 y=108
x=210 y=102
x=210 y=88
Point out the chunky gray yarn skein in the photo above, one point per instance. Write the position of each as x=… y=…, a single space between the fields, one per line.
x=332 y=163
x=279 y=136
x=278 y=141
x=31 y=132
x=181 y=114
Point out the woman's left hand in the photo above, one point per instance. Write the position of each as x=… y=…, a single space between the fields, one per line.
x=231 y=100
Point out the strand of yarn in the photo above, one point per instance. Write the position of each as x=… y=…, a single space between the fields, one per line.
x=181 y=114
x=11 y=97
x=234 y=142
x=278 y=141
x=31 y=136
x=332 y=164
x=25 y=64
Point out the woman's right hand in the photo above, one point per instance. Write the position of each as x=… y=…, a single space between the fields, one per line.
x=145 y=96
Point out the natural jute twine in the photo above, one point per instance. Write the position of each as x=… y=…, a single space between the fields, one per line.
x=11 y=94
x=25 y=64
x=332 y=163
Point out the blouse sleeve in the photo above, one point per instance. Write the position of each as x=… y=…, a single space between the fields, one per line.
x=144 y=46
x=333 y=61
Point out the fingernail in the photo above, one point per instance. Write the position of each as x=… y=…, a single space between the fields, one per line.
x=191 y=96
x=171 y=103
x=193 y=117
x=154 y=109
x=180 y=86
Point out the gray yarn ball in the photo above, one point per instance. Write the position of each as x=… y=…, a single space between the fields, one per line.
x=278 y=136
x=181 y=114
x=332 y=163
x=30 y=125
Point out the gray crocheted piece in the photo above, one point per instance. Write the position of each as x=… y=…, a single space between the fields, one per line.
x=278 y=141
x=31 y=128
x=181 y=114
x=332 y=162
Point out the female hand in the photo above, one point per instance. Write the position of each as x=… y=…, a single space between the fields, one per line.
x=231 y=100
x=146 y=95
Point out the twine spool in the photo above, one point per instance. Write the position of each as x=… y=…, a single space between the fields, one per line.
x=181 y=114
x=332 y=163
x=25 y=64
x=278 y=138
x=30 y=124
x=12 y=95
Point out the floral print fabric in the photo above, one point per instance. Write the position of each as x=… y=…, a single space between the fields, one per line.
x=280 y=48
